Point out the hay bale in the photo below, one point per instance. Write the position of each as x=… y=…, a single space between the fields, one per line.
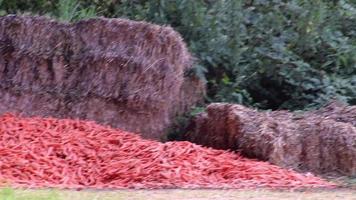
x=339 y=112
x=118 y=72
x=322 y=141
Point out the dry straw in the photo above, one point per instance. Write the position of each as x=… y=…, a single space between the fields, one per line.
x=119 y=72
x=322 y=141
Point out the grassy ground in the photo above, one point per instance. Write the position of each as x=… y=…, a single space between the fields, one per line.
x=10 y=194
x=347 y=193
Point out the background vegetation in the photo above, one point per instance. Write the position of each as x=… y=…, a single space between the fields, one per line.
x=270 y=54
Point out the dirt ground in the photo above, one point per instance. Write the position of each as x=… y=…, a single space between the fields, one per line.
x=176 y=194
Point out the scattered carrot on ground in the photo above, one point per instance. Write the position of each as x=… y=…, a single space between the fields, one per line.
x=46 y=152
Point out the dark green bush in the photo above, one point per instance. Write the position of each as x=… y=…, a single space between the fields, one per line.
x=272 y=54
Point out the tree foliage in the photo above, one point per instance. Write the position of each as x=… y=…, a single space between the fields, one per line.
x=271 y=54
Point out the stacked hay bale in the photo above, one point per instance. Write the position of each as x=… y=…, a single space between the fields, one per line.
x=118 y=72
x=322 y=141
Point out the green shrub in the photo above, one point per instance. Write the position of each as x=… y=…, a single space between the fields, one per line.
x=72 y=10
x=271 y=54
x=40 y=7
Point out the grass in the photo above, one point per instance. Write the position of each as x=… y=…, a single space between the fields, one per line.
x=177 y=194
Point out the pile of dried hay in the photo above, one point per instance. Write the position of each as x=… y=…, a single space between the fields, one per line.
x=322 y=141
x=126 y=74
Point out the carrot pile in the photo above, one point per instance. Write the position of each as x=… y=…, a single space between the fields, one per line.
x=63 y=153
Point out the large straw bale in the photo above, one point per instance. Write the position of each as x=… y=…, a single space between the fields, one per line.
x=123 y=73
x=322 y=141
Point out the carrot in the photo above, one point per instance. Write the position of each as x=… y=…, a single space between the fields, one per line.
x=47 y=152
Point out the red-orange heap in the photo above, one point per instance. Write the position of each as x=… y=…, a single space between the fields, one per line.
x=62 y=153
